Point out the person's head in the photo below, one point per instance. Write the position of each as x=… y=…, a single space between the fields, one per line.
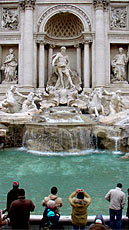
x=15 y=185
x=119 y=185
x=121 y=50
x=98 y=221
x=11 y=50
x=21 y=192
x=80 y=195
x=128 y=191
x=63 y=49
x=118 y=91
x=54 y=190
x=13 y=88
x=51 y=204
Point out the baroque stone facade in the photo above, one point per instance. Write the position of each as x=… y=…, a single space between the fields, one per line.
x=93 y=31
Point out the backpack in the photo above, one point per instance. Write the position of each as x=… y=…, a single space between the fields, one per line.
x=44 y=223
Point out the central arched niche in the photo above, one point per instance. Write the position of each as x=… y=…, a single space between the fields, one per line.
x=63 y=29
x=64 y=25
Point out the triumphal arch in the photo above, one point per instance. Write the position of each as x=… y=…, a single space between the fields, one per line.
x=95 y=34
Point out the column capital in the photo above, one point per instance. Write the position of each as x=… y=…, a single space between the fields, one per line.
x=87 y=41
x=77 y=45
x=41 y=42
x=101 y=4
x=27 y=4
x=51 y=46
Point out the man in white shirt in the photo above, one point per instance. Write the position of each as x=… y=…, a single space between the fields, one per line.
x=116 y=197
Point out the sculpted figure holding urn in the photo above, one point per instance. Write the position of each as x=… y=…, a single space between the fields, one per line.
x=9 y=67
x=119 y=66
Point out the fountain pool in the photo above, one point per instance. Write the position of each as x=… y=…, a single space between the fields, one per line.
x=94 y=170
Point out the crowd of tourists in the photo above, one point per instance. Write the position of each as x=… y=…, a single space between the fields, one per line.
x=19 y=208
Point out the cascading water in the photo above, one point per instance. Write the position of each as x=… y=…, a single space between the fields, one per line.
x=117 y=143
x=63 y=138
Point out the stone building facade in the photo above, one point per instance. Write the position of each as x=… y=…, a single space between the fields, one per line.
x=91 y=30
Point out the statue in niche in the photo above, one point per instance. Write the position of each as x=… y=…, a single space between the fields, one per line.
x=10 y=67
x=10 y=19
x=64 y=77
x=119 y=63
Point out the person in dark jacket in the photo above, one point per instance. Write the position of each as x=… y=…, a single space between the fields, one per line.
x=98 y=224
x=12 y=194
x=127 y=212
x=19 y=212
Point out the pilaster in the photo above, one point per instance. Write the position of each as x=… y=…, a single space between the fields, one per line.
x=28 y=46
x=100 y=6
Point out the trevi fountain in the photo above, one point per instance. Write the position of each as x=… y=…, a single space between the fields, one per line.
x=64 y=81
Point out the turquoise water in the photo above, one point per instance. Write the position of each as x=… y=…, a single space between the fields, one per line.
x=95 y=171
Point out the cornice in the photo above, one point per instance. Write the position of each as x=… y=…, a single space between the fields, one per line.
x=9 y=36
x=44 y=38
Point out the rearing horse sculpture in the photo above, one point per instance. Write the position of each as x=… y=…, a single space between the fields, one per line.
x=95 y=102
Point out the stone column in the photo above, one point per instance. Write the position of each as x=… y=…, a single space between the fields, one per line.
x=128 y=66
x=78 y=59
x=50 y=53
x=0 y=64
x=28 y=44
x=86 y=64
x=41 y=65
x=100 y=42
x=21 y=47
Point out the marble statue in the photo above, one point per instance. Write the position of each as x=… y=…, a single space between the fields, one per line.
x=16 y=102
x=62 y=69
x=64 y=83
x=119 y=63
x=10 y=104
x=29 y=104
x=116 y=103
x=10 y=67
x=95 y=102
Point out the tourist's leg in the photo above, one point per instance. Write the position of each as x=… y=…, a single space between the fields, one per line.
x=118 y=219
x=75 y=227
x=83 y=227
x=112 y=218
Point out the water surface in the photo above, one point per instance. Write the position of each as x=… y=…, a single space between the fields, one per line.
x=95 y=171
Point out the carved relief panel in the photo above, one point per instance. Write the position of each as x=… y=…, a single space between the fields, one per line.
x=10 y=19
x=118 y=18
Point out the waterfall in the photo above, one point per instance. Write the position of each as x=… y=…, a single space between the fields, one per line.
x=117 y=143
